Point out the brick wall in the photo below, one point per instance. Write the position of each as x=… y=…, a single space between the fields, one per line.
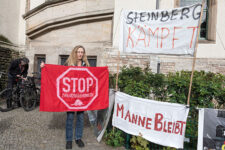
x=171 y=64
x=111 y=59
x=167 y=63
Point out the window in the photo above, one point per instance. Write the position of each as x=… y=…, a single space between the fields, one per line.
x=37 y=61
x=63 y=59
x=208 y=25
x=91 y=59
x=203 y=31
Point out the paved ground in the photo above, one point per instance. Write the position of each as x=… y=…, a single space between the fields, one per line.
x=34 y=130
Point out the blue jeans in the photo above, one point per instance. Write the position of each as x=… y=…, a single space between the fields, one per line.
x=79 y=125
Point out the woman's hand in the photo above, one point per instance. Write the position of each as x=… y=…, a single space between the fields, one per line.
x=25 y=79
x=18 y=76
x=42 y=64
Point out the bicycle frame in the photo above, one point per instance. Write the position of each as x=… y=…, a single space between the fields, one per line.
x=24 y=93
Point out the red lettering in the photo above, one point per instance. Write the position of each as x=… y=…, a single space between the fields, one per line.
x=128 y=115
x=142 y=121
x=164 y=127
x=173 y=127
x=164 y=37
x=129 y=38
x=141 y=39
x=177 y=128
x=134 y=119
x=148 y=123
x=193 y=33
x=169 y=127
x=158 y=119
x=153 y=33
x=119 y=109
x=181 y=128
x=174 y=29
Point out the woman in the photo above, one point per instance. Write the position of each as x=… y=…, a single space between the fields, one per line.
x=77 y=58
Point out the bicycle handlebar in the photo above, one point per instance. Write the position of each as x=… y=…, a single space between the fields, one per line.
x=36 y=73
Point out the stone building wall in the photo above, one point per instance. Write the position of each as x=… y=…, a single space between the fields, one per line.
x=54 y=28
x=171 y=64
x=111 y=59
x=166 y=63
x=7 y=54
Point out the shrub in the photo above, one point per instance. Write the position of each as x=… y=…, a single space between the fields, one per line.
x=114 y=138
x=173 y=88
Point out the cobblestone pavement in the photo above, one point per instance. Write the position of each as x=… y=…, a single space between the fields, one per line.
x=34 y=130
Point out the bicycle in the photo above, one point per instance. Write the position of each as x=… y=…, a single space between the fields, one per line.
x=24 y=93
x=12 y=94
x=30 y=94
x=1 y=73
x=37 y=81
x=3 y=97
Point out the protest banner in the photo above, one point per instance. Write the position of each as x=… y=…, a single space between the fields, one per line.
x=211 y=129
x=171 y=31
x=103 y=116
x=69 y=88
x=159 y=122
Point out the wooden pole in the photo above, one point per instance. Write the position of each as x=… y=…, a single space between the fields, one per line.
x=118 y=68
x=195 y=52
x=118 y=59
x=117 y=76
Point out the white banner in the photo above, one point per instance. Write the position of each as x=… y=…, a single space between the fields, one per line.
x=211 y=129
x=99 y=119
x=159 y=122
x=160 y=31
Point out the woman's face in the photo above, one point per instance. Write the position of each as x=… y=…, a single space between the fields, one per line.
x=80 y=53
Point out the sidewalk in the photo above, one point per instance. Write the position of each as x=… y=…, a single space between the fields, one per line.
x=34 y=130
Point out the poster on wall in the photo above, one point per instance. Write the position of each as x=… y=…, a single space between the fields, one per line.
x=211 y=129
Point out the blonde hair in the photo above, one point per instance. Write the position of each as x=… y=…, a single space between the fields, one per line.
x=72 y=59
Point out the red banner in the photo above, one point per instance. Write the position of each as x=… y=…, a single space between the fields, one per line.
x=66 y=88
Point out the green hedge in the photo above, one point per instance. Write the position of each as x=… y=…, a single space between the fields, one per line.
x=208 y=91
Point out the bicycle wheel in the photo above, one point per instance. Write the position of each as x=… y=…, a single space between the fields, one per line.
x=38 y=95
x=3 y=101
x=28 y=99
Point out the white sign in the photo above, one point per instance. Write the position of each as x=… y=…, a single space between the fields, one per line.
x=71 y=85
x=159 y=122
x=211 y=129
x=160 y=31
